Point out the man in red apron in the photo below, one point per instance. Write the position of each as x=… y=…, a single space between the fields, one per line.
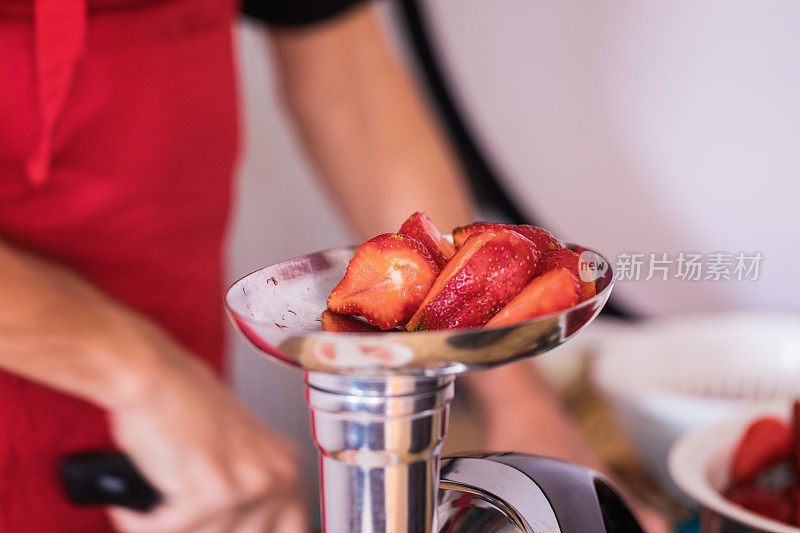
x=118 y=137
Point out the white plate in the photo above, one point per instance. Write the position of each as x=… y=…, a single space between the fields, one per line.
x=700 y=465
x=670 y=376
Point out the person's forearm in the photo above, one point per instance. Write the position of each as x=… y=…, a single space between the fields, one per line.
x=383 y=157
x=366 y=127
x=522 y=413
x=371 y=137
x=59 y=331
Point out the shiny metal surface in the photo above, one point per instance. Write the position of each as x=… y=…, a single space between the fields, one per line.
x=380 y=441
x=513 y=492
x=379 y=402
x=465 y=511
x=278 y=310
x=479 y=494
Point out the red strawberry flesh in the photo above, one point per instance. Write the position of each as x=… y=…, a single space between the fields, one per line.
x=345 y=324
x=772 y=504
x=796 y=444
x=555 y=259
x=549 y=293
x=421 y=227
x=793 y=493
x=386 y=280
x=767 y=441
x=488 y=270
x=541 y=238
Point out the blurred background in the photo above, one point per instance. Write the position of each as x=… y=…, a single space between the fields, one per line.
x=640 y=127
x=663 y=134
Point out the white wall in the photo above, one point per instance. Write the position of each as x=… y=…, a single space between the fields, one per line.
x=664 y=126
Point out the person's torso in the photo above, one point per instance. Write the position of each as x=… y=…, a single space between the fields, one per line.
x=135 y=199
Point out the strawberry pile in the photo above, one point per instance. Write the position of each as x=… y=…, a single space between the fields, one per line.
x=765 y=472
x=491 y=275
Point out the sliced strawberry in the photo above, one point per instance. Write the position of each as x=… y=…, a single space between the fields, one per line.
x=793 y=494
x=570 y=260
x=485 y=274
x=541 y=238
x=345 y=324
x=770 y=503
x=422 y=228
x=386 y=280
x=766 y=442
x=796 y=439
x=549 y=293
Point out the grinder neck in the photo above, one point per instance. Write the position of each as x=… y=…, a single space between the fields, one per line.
x=380 y=443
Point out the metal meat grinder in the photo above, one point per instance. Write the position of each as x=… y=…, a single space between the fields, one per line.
x=379 y=406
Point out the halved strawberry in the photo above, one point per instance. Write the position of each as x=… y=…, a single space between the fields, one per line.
x=386 y=280
x=549 y=293
x=770 y=503
x=793 y=493
x=796 y=444
x=422 y=228
x=570 y=260
x=345 y=324
x=541 y=238
x=485 y=274
x=766 y=442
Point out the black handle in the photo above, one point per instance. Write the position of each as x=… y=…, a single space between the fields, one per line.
x=107 y=478
x=600 y=510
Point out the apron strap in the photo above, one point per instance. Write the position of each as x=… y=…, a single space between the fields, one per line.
x=59 y=37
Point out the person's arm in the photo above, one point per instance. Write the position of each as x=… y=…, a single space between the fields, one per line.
x=213 y=461
x=45 y=340
x=367 y=130
x=373 y=141
x=365 y=127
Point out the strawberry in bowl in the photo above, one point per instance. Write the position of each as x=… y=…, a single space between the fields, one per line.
x=765 y=468
x=744 y=472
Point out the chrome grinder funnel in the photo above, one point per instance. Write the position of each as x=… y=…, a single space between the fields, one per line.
x=379 y=401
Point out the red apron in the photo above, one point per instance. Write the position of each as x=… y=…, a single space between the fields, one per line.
x=117 y=142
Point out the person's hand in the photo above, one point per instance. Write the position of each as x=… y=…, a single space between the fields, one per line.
x=218 y=468
x=517 y=436
x=650 y=519
x=536 y=424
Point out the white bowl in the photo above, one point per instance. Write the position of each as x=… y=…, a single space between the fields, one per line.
x=700 y=465
x=667 y=377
